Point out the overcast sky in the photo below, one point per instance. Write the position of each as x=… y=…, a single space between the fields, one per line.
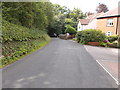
x=86 y=5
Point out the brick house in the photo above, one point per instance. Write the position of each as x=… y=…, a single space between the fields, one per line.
x=109 y=22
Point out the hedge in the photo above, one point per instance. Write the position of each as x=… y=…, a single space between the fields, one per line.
x=90 y=35
x=112 y=38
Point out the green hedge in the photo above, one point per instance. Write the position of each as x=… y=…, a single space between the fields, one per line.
x=19 y=41
x=112 y=38
x=90 y=35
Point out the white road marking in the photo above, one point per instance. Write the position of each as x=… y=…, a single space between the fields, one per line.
x=117 y=82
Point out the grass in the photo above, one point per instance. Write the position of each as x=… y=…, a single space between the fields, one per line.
x=38 y=44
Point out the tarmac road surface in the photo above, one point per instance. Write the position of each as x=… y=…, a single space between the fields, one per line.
x=60 y=64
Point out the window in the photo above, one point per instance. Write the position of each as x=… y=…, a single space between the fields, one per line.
x=109 y=33
x=110 y=22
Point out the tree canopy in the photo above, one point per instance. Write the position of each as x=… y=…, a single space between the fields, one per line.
x=102 y=8
x=45 y=16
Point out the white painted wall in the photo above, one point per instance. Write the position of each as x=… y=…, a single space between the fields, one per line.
x=84 y=27
x=79 y=26
x=92 y=25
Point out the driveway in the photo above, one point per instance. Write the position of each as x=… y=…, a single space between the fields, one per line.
x=60 y=64
x=107 y=58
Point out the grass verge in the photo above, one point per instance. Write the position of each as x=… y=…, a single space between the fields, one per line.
x=17 y=50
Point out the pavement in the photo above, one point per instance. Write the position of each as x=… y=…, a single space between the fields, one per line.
x=60 y=64
x=107 y=58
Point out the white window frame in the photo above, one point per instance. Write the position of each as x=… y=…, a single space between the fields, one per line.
x=110 y=22
x=109 y=33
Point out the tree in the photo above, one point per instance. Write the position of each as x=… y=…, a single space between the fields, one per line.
x=60 y=10
x=76 y=14
x=58 y=26
x=70 y=30
x=29 y=14
x=69 y=21
x=102 y=8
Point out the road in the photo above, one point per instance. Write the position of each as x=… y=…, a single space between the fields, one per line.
x=60 y=64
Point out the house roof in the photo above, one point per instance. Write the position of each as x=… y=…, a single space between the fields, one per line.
x=84 y=21
x=111 y=13
x=89 y=19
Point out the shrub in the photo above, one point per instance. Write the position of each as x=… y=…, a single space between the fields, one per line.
x=103 y=44
x=119 y=41
x=112 y=38
x=75 y=39
x=70 y=30
x=19 y=41
x=90 y=35
x=14 y=50
x=12 y=32
x=114 y=45
x=105 y=41
x=78 y=36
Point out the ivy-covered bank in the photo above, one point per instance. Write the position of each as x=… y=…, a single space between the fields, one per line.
x=19 y=41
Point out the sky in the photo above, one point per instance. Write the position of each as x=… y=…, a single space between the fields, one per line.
x=86 y=5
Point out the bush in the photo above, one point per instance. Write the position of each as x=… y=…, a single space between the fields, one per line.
x=90 y=35
x=112 y=38
x=114 y=44
x=103 y=44
x=70 y=30
x=105 y=41
x=14 y=50
x=12 y=32
x=19 y=41
x=119 y=41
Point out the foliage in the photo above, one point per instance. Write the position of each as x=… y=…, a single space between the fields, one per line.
x=113 y=45
x=105 y=41
x=63 y=16
x=70 y=30
x=58 y=10
x=28 y=14
x=75 y=39
x=43 y=15
x=69 y=21
x=19 y=41
x=77 y=14
x=12 y=32
x=119 y=41
x=112 y=38
x=58 y=25
x=90 y=35
x=102 y=8
x=15 y=50
x=103 y=44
